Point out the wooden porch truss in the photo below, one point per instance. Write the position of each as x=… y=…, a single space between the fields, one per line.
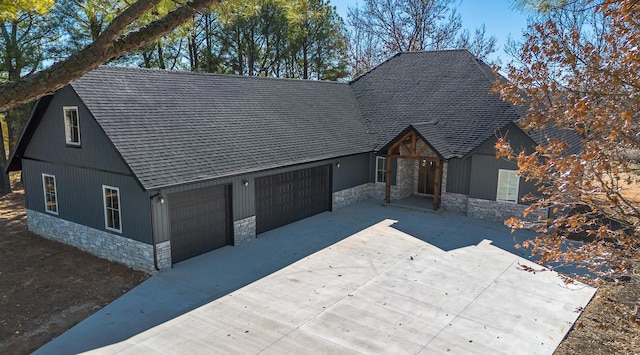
x=407 y=148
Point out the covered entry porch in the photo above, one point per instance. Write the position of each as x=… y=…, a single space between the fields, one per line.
x=422 y=168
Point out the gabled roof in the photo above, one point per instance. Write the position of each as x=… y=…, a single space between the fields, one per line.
x=444 y=95
x=176 y=127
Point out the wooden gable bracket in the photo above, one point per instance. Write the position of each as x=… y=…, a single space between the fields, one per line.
x=408 y=145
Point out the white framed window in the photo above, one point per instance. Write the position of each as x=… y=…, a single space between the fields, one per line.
x=112 y=220
x=71 y=125
x=50 y=193
x=508 y=183
x=381 y=169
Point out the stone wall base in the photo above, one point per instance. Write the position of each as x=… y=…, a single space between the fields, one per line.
x=377 y=192
x=163 y=255
x=497 y=211
x=350 y=196
x=244 y=230
x=454 y=202
x=136 y=255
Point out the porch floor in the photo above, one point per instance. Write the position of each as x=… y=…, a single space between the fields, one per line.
x=416 y=203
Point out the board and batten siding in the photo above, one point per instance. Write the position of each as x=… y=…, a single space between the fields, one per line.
x=458 y=175
x=353 y=171
x=485 y=166
x=80 y=200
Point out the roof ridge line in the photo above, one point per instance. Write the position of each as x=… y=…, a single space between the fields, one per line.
x=205 y=74
x=375 y=67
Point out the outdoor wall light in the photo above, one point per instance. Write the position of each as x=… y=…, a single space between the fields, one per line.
x=337 y=164
x=245 y=183
x=161 y=200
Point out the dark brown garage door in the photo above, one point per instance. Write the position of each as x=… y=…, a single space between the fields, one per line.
x=200 y=221
x=288 y=197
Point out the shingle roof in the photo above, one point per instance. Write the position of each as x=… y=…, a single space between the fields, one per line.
x=176 y=127
x=450 y=106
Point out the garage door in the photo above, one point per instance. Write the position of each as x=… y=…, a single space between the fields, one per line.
x=200 y=221
x=288 y=197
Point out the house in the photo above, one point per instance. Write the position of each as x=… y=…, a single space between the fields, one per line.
x=150 y=167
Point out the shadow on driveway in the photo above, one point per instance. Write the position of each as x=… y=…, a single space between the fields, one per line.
x=200 y=280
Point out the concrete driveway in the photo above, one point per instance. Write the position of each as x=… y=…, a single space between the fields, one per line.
x=363 y=279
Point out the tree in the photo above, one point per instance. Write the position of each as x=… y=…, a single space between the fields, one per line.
x=318 y=39
x=281 y=38
x=383 y=28
x=578 y=73
x=480 y=46
x=119 y=37
x=22 y=39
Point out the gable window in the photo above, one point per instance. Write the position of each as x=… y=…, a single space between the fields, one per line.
x=508 y=182
x=381 y=169
x=71 y=125
x=112 y=208
x=50 y=193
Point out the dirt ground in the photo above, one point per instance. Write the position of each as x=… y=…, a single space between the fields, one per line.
x=47 y=287
x=608 y=325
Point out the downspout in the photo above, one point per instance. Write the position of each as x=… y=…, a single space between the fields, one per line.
x=154 y=230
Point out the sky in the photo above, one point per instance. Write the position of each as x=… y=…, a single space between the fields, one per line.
x=498 y=17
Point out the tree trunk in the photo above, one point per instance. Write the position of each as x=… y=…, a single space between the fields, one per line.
x=305 y=58
x=5 y=186
x=161 y=64
x=208 y=44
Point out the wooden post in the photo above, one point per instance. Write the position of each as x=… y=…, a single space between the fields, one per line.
x=413 y=144
x=387 y=192
x=436 y=186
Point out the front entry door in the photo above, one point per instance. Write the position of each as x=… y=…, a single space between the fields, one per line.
x=426 y=177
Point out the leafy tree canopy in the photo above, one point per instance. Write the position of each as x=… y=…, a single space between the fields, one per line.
x=10 y=9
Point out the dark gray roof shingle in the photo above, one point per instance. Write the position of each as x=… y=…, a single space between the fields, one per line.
x=177 y=127
x=445 y=95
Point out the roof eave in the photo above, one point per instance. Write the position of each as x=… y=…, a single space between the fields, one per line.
x=385 y=148
x=37 y=112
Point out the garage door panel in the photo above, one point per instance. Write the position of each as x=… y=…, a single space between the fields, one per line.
x=287 y=197
x=200 y=221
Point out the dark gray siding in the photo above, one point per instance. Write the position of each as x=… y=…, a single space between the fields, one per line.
x=484 y=166
x=518 y=139
x=484 y=177
x=80 y=200
x=48 y=142
x=458 y=175
x=353 y=171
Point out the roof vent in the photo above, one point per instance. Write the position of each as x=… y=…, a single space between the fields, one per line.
x=434 y=121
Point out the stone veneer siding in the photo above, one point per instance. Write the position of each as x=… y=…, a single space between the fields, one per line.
x=163 y=255
x=134 y=254
x=443 y=177
x=454 y=202
x=244 y=230
x=406 y=177
x=351 y=195
x=498 y=211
